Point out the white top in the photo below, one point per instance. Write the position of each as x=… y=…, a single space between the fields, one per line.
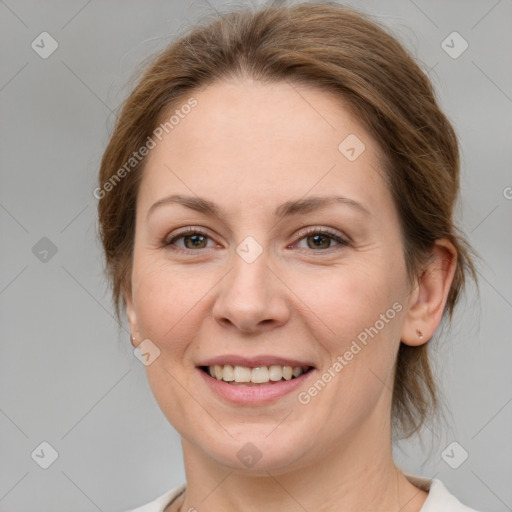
x=439 y=498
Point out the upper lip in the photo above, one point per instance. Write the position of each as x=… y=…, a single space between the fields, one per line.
x=253 y=362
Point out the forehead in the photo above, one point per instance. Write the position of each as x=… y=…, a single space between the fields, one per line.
x=263 y=143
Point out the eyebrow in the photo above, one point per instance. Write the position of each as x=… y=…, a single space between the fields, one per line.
x=287 y=209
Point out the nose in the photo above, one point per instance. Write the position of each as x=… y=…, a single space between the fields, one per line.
x=252 y=298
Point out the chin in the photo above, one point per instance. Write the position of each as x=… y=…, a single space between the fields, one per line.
x=258 y=453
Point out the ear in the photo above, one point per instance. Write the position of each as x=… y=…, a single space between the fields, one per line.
x=428 y=299
x=132 y=318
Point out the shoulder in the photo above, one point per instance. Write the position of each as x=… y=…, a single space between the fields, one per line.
x=439 y=499
x=159 y=504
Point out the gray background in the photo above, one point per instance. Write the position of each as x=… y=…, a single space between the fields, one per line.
x=68 y=376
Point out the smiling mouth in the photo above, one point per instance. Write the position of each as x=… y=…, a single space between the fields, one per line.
x=260 y=375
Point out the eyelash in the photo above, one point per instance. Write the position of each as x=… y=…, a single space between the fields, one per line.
x=303 y=234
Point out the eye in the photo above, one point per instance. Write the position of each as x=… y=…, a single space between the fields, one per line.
x=192 y=238
x=321 y=239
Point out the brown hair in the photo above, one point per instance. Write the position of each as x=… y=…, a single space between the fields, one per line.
x=337 y=49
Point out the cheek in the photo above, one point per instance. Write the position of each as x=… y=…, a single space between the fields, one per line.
x=361 y=313
x=170 y=306
x=348 y=300
x=169 y=302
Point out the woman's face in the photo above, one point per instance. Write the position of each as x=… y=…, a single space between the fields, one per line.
x=254 y=264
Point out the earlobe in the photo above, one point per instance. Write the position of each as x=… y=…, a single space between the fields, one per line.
x=427 y=301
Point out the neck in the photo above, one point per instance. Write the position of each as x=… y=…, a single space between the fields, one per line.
x=358 y=474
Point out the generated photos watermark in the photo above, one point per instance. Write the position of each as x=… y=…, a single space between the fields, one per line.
x=304 y=397
x=137 y=156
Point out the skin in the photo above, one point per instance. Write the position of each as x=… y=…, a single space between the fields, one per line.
x=249 y=147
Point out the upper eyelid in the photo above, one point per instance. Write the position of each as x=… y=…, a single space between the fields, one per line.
x=186 y=232
x=322 y=230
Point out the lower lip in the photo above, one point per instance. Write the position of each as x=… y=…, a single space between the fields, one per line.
x=253 y=395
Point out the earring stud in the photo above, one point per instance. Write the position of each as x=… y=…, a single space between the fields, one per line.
x=419 y=333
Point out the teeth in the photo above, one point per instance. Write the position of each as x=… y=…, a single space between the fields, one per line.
x=228 y=373
x=258 y=375
x=297 y=371
x=275 y=372
x=242 y=374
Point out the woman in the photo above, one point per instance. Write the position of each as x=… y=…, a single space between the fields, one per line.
x=275 y=207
